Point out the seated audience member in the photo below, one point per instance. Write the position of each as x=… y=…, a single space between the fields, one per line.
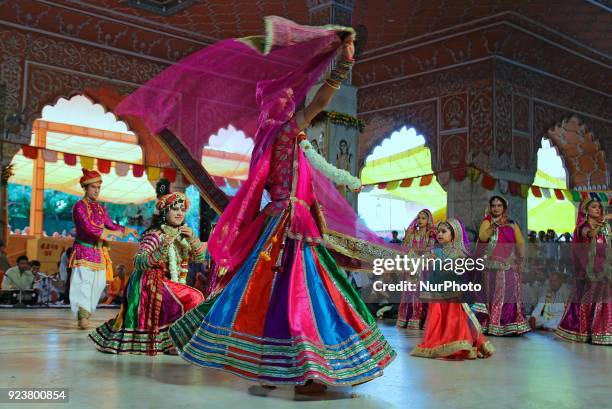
x=114 y=293
x=551 y=304
x=44 y=285
x=395 y=238
x=19 y=277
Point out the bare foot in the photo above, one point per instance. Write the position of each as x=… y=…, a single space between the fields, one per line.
x=310 y=387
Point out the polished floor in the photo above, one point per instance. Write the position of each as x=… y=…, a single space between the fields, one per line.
x=42 y=348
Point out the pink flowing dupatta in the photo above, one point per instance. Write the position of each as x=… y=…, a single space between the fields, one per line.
x=254 y=84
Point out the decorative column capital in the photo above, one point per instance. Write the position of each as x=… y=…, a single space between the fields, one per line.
x=338 y=12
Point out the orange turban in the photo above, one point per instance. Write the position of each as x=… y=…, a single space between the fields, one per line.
x=89 y=177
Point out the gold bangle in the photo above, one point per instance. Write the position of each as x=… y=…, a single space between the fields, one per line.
x=328 y=82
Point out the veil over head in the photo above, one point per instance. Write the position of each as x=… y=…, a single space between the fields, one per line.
x=583 y=213
x=431 y=226
x=461 y=240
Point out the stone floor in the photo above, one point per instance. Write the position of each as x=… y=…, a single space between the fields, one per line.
x=42 y=348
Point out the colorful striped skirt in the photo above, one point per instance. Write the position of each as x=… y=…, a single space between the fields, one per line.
x=288 y=315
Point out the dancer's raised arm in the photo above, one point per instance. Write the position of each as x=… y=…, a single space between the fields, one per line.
x=326 y=92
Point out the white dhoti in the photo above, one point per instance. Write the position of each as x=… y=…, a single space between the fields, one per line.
x=86 y=286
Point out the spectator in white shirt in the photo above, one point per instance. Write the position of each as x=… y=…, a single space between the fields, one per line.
x=551 y=304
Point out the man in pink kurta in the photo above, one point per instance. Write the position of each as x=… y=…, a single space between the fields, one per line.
x=90 y=262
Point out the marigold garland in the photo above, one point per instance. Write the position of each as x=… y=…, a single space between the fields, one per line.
x=345 y=119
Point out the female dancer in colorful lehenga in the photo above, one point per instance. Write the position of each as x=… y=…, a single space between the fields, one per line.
x=156 y=294
x=283 y=311
x=420 y=238
x=452 y=330
x=588 y=317
x=501 y=245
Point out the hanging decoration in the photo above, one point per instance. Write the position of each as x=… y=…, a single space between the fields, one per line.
x=489 y=182
x=457 y=174
x=344 y=119
x=104 y=166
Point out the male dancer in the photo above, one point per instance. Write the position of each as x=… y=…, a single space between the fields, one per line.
x=90 y=261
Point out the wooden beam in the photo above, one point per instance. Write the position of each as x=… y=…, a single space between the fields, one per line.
x=38 y=186
x=85 y=132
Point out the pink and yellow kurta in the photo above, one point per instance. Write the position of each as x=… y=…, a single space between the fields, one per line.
x=90 y=261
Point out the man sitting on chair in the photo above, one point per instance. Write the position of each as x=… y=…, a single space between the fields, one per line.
x=18 y=277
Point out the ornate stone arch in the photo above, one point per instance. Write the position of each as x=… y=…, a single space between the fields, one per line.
x=582 y=155
x=380 y=125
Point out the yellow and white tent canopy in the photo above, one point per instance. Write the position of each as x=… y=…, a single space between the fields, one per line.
x=410 y=163
x=116 y=189
x=543 y=213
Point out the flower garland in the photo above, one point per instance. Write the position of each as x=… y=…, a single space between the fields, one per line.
x=345 y=119
x=178 y=269
x=338 y=176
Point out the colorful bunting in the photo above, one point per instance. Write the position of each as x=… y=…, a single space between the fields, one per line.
x=104 y=166
x=153 y=173
x=49 y=156
x=367 y=188
x=70 y=159
x=503 y=186
x=393 y=185
x=460 y=174
x=515 y=188
x=426 y=180
x=87 y=162
x=488 y=182
x=137 y=170
x=30 y=152
x=443 y=177
x=170 y=174
x=405 y=182
x=121 y=168
x=474 y=173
